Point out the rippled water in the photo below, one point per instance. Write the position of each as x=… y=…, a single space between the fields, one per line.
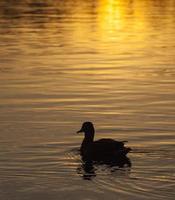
x=64 y=62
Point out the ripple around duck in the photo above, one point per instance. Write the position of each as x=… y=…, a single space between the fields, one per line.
x=44 y=159
x=48 y=164
x=139 y=180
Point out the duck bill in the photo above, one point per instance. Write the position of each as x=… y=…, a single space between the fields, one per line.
x=80 y=131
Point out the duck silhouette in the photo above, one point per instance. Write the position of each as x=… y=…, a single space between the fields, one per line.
x=104 y=150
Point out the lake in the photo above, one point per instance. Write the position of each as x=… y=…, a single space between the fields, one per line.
x=64 y=62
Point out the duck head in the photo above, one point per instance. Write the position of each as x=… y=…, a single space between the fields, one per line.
x=89 y=131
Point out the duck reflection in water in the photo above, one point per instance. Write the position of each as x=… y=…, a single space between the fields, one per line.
x=103 y=151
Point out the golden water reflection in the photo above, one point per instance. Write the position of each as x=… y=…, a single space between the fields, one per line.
x=68 y=61
x=106 y=18
x=119 y=46
x=88 y=53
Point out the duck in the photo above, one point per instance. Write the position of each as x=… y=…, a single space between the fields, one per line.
x=102 y=150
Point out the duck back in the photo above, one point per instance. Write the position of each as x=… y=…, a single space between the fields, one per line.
x=104 y=150
x=108 y=145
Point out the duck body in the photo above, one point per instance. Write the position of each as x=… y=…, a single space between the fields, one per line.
x=103 y=150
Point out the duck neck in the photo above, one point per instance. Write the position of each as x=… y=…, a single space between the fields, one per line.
x=89 y=137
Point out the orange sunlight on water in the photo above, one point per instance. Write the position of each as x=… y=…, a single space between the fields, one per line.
x=68 y=61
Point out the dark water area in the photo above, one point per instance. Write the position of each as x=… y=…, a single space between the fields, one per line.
x=65 y=62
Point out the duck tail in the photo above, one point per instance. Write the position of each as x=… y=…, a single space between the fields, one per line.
x=128 y=149
x=125 y=151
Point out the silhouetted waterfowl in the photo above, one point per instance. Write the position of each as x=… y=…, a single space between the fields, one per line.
x=105 y=150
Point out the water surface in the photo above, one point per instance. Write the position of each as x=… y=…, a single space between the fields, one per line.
x=65 y=62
